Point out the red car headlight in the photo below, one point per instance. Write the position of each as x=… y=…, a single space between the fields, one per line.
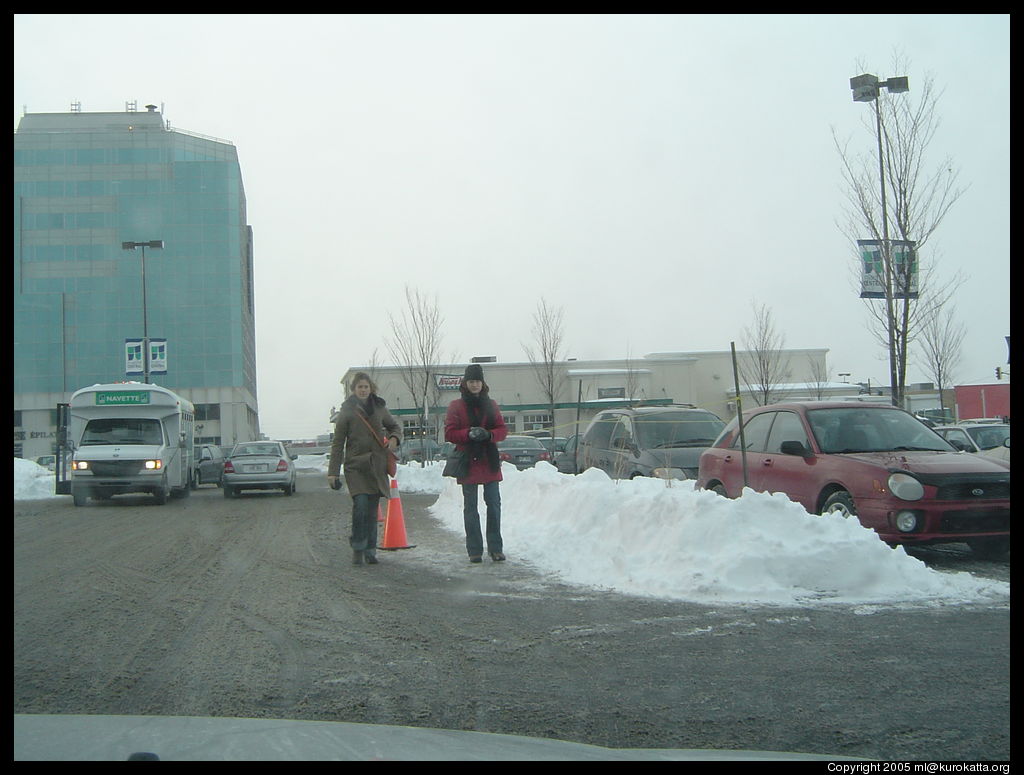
x=906 y=487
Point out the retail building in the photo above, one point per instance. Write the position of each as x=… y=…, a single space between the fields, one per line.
x=704 y=379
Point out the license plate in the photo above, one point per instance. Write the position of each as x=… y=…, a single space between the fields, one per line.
x=522 y=459
x=256 y=469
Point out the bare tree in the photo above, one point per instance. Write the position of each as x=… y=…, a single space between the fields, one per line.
x=545 y=353
x=820 y=376
x=891 y=196
x=764 y=366
x=940 y=341
x=632 y=379
x=415 y=347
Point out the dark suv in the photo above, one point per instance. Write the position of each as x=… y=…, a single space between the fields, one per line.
x=660 y=441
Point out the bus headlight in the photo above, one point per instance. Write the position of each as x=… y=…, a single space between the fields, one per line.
x=154 y=465
x=906 y=487
x=79 y=465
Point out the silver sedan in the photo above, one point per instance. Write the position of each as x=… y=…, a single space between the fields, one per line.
x=259 y=465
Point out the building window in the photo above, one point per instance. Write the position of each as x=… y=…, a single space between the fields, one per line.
x=537 y=421
x=207 y=411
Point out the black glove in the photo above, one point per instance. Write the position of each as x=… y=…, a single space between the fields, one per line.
x=479 y=434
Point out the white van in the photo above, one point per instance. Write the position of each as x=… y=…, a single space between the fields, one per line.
x=129 y=437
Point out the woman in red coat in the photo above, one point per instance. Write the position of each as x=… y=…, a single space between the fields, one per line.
x=474 y=423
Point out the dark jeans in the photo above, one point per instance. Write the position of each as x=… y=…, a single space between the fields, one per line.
x=492 y=497
x=364 y=524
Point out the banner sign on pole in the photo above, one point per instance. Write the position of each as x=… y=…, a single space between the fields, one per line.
x=158 y=357
x=904 y=269
x=133 y=365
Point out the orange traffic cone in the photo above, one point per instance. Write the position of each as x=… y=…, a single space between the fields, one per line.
x=394 y=525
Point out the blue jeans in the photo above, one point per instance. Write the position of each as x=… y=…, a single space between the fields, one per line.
x=492 y=498
x=364 y=524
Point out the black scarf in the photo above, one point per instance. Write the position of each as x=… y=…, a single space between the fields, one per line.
x=479 y=411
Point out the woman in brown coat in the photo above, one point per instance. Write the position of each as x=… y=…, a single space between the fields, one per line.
x=358 y=435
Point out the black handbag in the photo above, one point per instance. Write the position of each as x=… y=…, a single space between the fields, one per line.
x=457 y=464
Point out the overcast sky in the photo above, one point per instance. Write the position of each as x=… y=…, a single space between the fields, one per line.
x=655 y=176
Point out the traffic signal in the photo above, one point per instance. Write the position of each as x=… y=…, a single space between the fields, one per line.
x=999 y=373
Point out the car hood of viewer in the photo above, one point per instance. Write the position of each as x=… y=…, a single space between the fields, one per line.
x=187 y=738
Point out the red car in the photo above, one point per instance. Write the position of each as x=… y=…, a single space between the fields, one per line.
x=872 y=461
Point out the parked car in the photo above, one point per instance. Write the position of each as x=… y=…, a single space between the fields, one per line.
x=522 y=451
x=976 y=437
x=553 y=445
x=872 y=461
x=49 y=462
x=209 y=465
x=259 y=465
x=419 y=450
x=661 y=441
x=565 y=461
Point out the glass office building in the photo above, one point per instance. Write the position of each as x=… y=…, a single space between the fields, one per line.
x=85 y=184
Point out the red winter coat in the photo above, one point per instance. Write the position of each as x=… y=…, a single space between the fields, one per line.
x=456 y=430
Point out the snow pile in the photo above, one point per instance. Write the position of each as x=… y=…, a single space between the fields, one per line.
x=32 y=481
x=645 y=538
x=642 y=537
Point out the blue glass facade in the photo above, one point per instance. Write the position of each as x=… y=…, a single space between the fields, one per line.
x=83 y=184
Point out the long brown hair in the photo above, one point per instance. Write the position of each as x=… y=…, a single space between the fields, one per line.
x=358 y=377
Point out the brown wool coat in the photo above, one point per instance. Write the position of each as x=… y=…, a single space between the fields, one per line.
x=364 y=458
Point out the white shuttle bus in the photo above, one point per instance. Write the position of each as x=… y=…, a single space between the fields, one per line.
x=130 y=437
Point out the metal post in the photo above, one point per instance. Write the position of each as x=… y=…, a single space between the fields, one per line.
x=145 y=322
x=739 y=412
x=886 y=259
x=145 y=315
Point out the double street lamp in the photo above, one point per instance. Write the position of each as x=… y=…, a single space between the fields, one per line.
x=866 y=88
x=145 y=318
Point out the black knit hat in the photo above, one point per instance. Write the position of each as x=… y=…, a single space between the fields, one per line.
x=474 y=371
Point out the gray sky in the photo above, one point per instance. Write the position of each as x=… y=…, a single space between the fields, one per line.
x=656 y=176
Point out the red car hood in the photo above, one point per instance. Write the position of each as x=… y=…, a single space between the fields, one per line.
x=933 y=462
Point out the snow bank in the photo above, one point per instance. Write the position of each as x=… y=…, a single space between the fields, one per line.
x=32 y=481
x=645 y=538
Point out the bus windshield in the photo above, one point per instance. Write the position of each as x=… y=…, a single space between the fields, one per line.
x=123 y=430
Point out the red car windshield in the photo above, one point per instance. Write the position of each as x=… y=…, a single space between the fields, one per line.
x=858 y=429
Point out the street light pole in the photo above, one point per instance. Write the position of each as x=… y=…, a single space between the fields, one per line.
x=866 y=88
x=145 y=316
